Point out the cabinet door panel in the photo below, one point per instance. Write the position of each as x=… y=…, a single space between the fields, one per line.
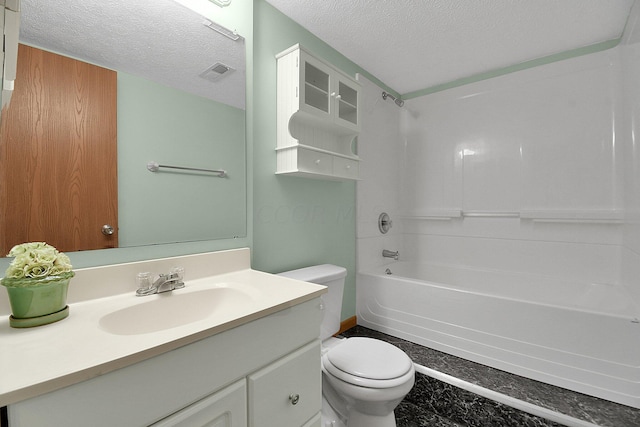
x=287 y=392
x=315 y=85
x=347 y=112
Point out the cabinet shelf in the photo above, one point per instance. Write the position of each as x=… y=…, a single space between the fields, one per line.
x=320 y=150
x=318 y=118
x=317 y=97
x=317 y=88
x=348 y=105
x=312 y=162
x=348 y=112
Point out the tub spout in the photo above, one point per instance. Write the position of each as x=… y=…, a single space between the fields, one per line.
x=390 y=254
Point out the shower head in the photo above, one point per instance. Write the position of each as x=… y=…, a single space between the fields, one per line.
x=399 y=102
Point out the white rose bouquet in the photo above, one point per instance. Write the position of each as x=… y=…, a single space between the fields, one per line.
x=36 y=260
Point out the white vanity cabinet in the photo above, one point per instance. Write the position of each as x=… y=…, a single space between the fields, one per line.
x=245 y=376
x=225 y=408
x=318 y=109
x=286 y=392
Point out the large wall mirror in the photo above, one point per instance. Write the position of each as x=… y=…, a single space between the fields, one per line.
x=180 y=101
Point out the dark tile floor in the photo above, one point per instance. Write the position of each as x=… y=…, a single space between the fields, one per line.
x=453 y=406
x=434 y=403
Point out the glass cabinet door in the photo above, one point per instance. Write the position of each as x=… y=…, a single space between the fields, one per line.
x=325 y=94
x=347 y=105
x=315 y=86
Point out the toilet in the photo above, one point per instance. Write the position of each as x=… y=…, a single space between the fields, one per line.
x=363 y=379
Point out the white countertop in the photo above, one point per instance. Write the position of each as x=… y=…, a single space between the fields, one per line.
x=38 y=360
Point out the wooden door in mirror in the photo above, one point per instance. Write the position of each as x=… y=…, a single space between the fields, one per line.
x=58 y=154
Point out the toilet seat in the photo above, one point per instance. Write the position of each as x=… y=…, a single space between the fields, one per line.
x=368 y=362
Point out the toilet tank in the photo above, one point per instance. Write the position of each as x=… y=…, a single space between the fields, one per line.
x=333 y=277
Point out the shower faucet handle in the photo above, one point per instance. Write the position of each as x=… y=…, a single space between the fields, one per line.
x=384 y=222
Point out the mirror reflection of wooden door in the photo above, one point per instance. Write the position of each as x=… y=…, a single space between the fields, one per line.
x=58 y=158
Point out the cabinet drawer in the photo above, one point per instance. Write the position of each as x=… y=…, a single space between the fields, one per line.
x=313 y=161
x=289 y=391
x=345 y=168
x=226 y=408
x=314 y=422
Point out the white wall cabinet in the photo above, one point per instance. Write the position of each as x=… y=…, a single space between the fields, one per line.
x=318 y=109
x=207 y=383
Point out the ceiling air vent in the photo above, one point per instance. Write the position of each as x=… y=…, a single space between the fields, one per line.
x=216 y=72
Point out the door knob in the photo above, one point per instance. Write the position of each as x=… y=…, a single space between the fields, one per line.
x=107 y=230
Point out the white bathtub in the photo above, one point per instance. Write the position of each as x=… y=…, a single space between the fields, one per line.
x=580 y=336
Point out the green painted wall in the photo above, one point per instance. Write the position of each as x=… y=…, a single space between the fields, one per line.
x=297 y=222
x=172 y=127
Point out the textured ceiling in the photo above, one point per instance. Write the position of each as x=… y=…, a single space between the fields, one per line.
x=416 y=44
x=159 y=39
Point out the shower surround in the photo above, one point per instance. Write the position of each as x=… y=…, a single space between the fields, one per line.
x=532 y=176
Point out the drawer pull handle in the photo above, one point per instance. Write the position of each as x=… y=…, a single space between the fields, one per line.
x=294 y=398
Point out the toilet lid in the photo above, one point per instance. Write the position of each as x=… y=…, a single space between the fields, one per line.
x=369 y=358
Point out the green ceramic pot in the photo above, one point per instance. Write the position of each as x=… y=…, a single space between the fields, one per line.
x=38 y=301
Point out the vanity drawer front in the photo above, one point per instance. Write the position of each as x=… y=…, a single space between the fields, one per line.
x=289 y=391
x=315 y=162
x=226 y=408
x=315 y=421
x=345 y=168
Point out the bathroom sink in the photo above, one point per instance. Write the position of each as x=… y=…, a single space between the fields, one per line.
x=172 y=309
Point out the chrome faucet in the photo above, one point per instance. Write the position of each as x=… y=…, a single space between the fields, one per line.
x=390 y=254
x=164 y=283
